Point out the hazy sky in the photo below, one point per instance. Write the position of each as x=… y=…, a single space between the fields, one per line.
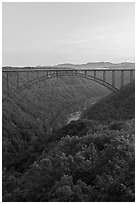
x=52 y=33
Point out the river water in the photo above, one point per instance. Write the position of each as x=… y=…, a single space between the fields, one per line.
x=76 y=115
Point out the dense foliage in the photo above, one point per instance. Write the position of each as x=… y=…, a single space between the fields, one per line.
x=30 y=118
x=119 y=106
x=84 y=161
x=96 y=166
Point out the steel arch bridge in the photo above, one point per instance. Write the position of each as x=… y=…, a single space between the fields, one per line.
x=14 y=85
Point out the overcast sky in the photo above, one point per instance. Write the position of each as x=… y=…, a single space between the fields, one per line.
x=52 y=33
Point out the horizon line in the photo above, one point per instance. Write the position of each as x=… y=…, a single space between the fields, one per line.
x=69 y=63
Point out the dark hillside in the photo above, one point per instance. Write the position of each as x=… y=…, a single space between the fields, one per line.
x=93 y=166
x=84 y=161
x=32 y=116
x=114 y=107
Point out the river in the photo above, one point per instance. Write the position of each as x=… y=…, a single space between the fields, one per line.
x=76 y=115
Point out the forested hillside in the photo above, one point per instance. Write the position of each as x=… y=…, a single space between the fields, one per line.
x=84 y=161
x=34 y=114
x=119 y=106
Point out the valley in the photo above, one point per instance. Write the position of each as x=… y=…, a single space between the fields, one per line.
x=68 y=102
x=59 y=129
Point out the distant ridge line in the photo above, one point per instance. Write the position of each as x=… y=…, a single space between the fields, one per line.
x=86 y=65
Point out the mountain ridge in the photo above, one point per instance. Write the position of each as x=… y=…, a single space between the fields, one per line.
x=84 y=65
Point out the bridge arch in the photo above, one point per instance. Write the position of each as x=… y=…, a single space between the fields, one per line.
x=30 y=83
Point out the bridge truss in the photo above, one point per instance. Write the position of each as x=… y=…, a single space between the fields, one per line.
x=12 y=78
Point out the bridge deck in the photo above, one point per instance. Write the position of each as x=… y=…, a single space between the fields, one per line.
x=65 y=69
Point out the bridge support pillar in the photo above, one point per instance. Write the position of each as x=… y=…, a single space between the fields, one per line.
x=85 y=72
x=57 y=73
x=104 y=76
x=76 y=72
x=131 y=76
x=27 y=75
x=113 y=78
x=94 y=74
x=37 y=74
x=122 y=79
x=7 y=84
x=17 y=79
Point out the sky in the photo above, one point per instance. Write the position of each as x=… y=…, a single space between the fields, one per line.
x=53 y=33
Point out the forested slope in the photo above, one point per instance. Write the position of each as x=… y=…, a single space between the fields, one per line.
x=85 y=161
x=34 y=114
x=119 y=106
